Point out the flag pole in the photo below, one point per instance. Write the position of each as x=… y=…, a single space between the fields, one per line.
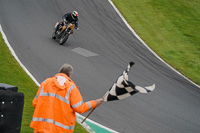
x=88 y=115
x=91 y=111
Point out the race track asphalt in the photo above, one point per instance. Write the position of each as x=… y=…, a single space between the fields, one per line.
x=174 y=105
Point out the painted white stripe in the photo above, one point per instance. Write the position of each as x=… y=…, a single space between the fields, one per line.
x=84 y=52
x=79 y=120
x=134 y=33
x=81 y=117
x=13 y=53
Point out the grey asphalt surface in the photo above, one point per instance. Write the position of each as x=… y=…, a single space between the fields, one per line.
x=173 y=107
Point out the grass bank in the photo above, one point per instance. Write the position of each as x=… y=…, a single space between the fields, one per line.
x=171 y=28
x=11 y=73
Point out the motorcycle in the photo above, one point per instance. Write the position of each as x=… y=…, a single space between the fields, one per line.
x=62 y=32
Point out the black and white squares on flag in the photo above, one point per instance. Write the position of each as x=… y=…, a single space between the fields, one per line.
x=123 y=88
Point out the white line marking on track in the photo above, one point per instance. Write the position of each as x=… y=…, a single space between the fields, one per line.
x=84 y=52
x=13 y=53
x=91 y=121
x=134 y=33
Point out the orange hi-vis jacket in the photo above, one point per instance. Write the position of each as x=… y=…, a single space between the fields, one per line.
x=55 y=103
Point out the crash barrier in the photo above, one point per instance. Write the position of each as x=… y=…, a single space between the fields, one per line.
x=11 y=108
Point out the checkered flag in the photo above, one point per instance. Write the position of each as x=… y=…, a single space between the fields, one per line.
x=123 y=88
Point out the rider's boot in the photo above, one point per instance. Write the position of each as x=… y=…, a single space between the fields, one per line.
x=70 y=32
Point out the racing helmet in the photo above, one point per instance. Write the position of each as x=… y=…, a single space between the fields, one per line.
x=74 y=15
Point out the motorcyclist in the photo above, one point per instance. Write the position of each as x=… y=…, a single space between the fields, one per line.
x=71 y=17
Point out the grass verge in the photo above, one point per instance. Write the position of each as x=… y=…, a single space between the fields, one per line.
x=11 y=73
x=171 y=28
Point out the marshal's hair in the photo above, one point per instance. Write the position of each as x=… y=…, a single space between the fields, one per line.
x=67 y=69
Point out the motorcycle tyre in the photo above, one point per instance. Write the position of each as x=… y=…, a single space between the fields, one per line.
x=64 y=38
x=53 y=35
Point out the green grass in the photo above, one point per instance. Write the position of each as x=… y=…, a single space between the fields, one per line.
x=171 y=28
x=11 y=73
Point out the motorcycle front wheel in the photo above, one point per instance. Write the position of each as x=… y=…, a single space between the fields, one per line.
x=63 y=38
x=53 y=35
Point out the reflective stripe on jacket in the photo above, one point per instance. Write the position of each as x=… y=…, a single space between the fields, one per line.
x=55 y=103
